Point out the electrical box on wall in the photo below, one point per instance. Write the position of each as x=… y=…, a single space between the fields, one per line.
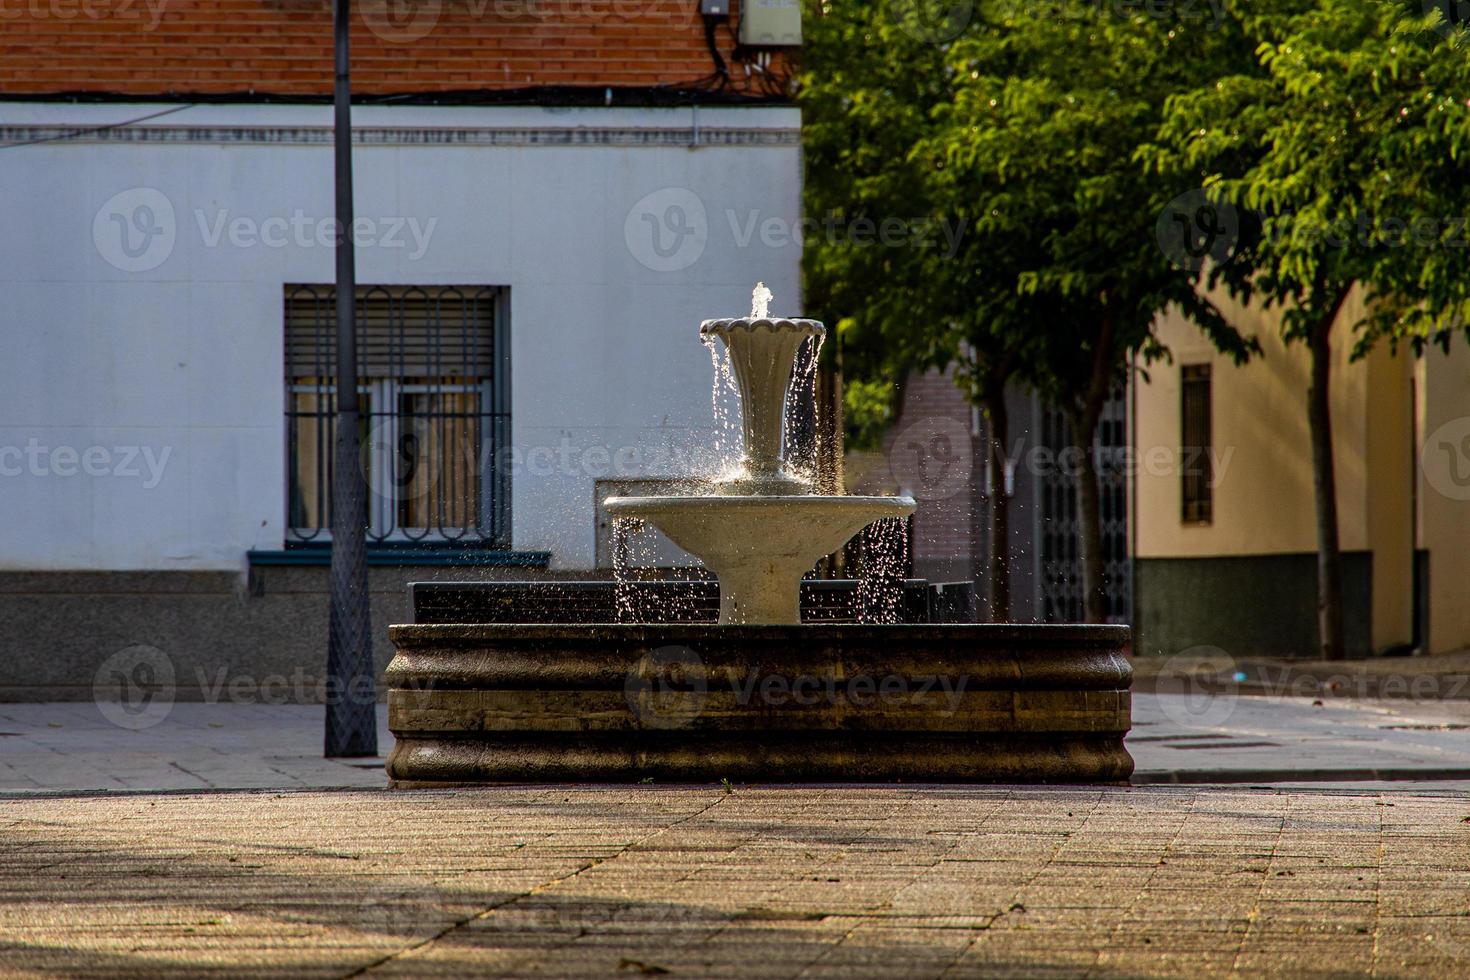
x=770 y=23
x=714 y=8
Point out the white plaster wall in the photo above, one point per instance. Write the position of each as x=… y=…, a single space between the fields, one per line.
x=186 y=358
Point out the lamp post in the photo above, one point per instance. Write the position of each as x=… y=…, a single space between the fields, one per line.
x=352 y=722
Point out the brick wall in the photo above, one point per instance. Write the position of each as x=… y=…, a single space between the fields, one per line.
x=944 y=477
x=284 y=47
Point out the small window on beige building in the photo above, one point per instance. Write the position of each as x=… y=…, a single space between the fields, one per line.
x=1196 y=448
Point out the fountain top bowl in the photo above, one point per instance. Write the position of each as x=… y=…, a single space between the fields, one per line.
x=775 y=324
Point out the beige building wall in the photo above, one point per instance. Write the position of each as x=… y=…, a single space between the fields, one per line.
x=1443 y=410
x=1263 y=500
x=1263 y=473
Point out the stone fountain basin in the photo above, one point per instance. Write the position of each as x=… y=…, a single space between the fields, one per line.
x=779 y=528
x=476 y=704
x=759 y=547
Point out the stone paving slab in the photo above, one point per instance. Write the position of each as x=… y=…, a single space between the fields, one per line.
x=1201 y=738
x=767 y=882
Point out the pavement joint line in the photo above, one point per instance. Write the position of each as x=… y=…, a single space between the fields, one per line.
x=545 y=886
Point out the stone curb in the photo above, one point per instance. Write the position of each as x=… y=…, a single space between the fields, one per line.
x=1155 y=777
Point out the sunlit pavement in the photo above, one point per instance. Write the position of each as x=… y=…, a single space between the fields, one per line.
x=759 y=882
x=75 y=747
x=212 y=847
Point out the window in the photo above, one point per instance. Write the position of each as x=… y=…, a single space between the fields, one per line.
x=432 y=380
x=1196 y=448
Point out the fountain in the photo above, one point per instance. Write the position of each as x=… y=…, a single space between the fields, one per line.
x=761 y=528
x=761 y=695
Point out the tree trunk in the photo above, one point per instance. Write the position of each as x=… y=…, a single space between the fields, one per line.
x=1086 y=414
x=1089 y=522
x=998 y=426
x=1324 y=484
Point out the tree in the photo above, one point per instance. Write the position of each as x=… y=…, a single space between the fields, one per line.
x=889 y=256
x=1022 y=122
x=1344 y=146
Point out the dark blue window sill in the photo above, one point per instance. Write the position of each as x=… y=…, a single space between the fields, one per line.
x=397 y=555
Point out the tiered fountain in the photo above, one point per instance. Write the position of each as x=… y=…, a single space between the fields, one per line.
x=760 y=696
x=761 y=527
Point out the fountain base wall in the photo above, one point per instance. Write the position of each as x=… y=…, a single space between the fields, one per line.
x=479 y=704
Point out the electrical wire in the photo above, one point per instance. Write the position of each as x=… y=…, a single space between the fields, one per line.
x=98 y=129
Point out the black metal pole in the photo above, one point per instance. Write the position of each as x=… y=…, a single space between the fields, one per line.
x=352 y=723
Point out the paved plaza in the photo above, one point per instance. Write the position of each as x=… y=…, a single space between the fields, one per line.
x=759 y=882
x=217 y=840
x=77 y=746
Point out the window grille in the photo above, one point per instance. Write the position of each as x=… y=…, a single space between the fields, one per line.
x=433 y=373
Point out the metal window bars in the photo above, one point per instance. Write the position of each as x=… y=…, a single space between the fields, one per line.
x=433 y=372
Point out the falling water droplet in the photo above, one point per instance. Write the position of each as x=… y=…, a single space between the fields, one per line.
x=881 y=566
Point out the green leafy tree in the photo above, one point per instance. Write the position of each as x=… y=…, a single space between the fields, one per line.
x=889 y=252
x=1022 y=122
x=1344 y=148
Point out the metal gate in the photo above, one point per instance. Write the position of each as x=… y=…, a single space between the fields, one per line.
x=1059 y=571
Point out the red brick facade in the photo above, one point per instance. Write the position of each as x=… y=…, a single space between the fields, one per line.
x=284 y=47
x=944 y=533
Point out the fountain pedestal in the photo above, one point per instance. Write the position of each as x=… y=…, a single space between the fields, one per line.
x=694 y=703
